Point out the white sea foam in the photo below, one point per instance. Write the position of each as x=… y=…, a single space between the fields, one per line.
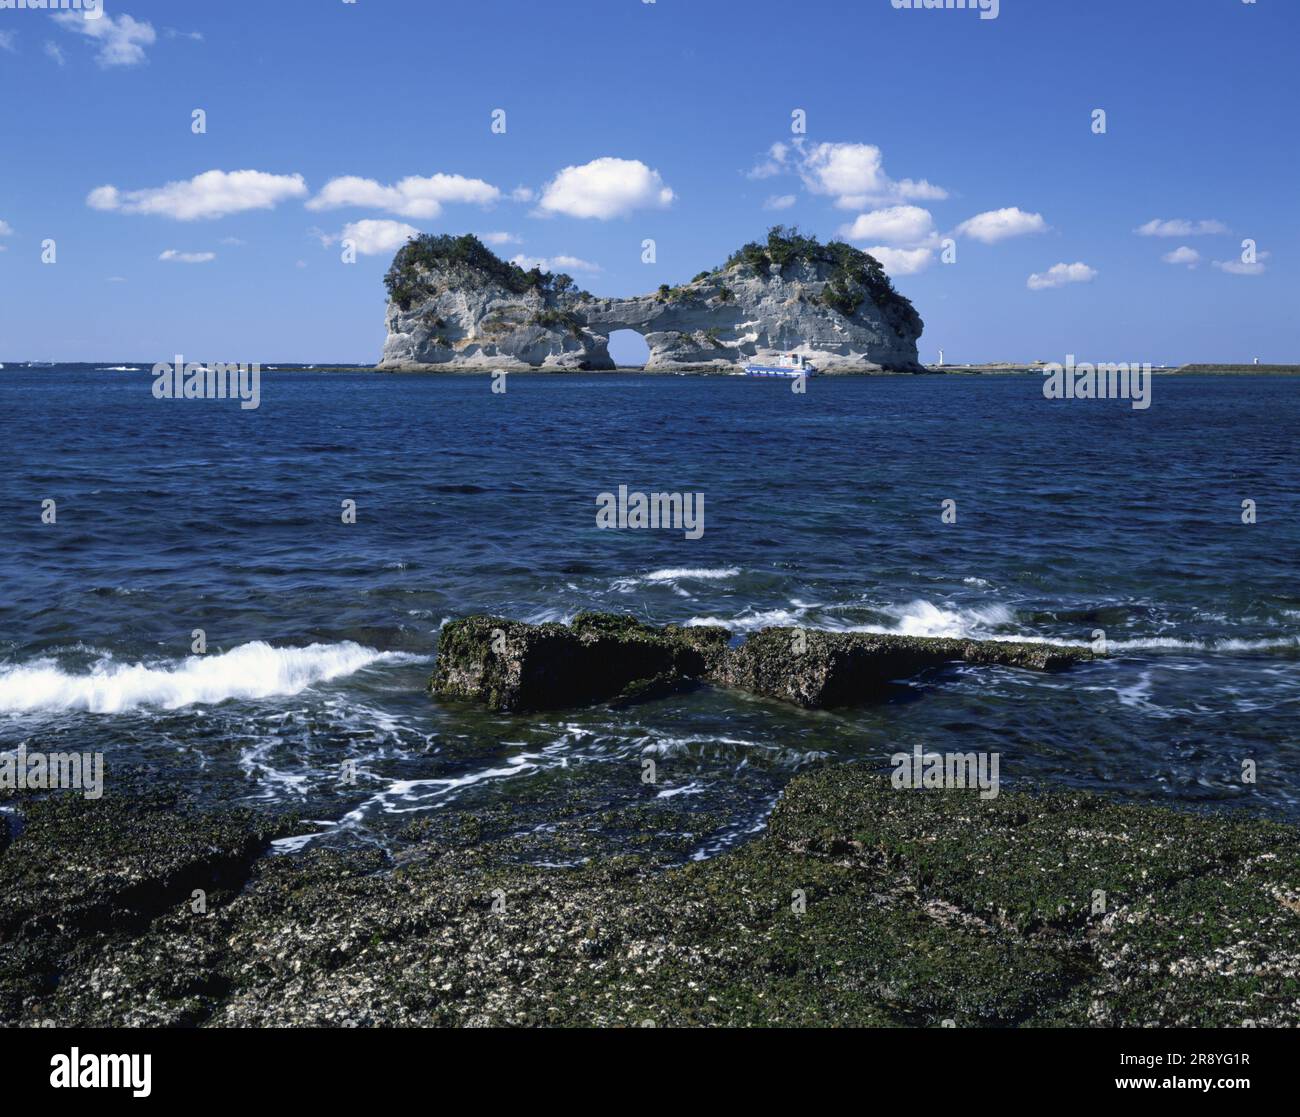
x=917 y=618
x=253 y=670
x=674 y=574
x=752 y=622
x=924 y=618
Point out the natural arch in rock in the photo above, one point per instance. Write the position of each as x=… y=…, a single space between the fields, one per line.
x=628 y=349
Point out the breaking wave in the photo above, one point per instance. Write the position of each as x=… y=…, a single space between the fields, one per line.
x=253 y=670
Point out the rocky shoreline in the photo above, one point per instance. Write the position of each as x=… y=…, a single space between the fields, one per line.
x=859 y=905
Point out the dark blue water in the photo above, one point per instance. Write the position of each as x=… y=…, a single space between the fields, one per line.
x=822 y=510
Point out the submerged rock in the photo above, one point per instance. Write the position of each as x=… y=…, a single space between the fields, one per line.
x=508 y=665
x=453 y=304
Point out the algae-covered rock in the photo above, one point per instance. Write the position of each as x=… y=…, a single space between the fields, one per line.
x=80 y=873
x=818 y=669
x=860 y=905
x=508 y=665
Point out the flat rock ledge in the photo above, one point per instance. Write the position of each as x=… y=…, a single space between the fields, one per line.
x=513 y=666
x=923 y=908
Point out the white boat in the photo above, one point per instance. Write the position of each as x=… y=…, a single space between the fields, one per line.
x=787 y=365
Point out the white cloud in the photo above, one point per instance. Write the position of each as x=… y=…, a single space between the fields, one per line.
x=780 y=201
x=854 y=175
x=554 y=263
x=233 y=241
x=1240 y=267
x=1181 y=227
x=115 y=279
x=421 y=198
x=897 y=225
x=121 y=40
x=1000 y=224
x=7 y=41
x=174 y=257
x=522 y=194
x=209 y=195
x=54 y=51
x=573 y=263
x=374 y=237
x=6 y=230
x=1183 y=255
x=605 y=188
x=776 y=162
x=1058 y=275
x=500 y=238
x=902 y=261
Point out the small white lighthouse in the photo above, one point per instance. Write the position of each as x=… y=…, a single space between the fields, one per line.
x=940 y=365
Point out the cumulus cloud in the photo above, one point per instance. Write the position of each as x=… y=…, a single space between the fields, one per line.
x=902 y=261
x=776 y=162
x=208 y=195
x=780 y=201
x=1183 y=255
x=499 y=238
x=6 y=230
x=1058 y=275
x=420 y=198
x=1001 y=224
x=172 y=256
x=1180 y=227
x=854 y=175
x=1241 y=267
x=554 y=263
x=896 y=225
x=121 y=39
x=605 y=188
x=373 y=236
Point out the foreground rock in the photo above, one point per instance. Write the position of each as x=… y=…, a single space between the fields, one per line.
x=919 y=908
x=453 y=304
x=508 y=665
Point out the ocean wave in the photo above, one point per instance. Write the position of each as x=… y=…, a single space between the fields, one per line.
x=987 y=622
x=253 y=670
x=676 y=573
x=752 y=622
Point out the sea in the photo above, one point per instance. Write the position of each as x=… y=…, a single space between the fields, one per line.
x=313 y=548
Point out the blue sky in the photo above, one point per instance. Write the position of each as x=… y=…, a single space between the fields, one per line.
x=627 y=120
